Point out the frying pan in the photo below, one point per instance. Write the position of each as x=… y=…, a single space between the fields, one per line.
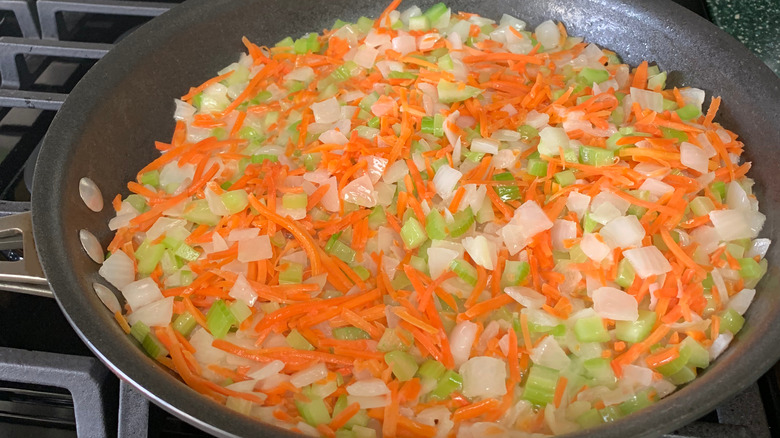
x=106 y=128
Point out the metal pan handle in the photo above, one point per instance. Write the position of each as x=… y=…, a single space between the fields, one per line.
x=26 y=275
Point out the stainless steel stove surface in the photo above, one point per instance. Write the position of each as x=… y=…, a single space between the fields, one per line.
x=50 y=384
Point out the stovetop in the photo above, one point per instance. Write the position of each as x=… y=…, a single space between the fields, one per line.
x=50 y=383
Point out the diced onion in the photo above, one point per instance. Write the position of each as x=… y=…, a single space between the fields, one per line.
x=694 y=157
x=732 y=224
x=142 y=292
x=379 y=401
x=118 y=269
x=741 y=300
x=309 y=375
x=720 y=344
x=552 y=140
x=155 y=314
x=334 y=137
x=484 y=377
x=613 y=303
x=529 y=220
x=485 y=145
x=648 y=99
x=461 y=340
x=656 y=188
x=404 y=44
x=303 y=74
x=368 y=388
x=623 y=232
x=736 y=197
x=445 y=180
x=254 y=249
x=561 y=231
x=243 y=291
x=365 y=56
x=759 y=247
x=267 y=370
x=239 y=234
x=526 y=296
x=594 y=248
x=360 y=191
x=548 y=34
x=549 y=353
x=439 y=260
x=481 y=250
x=327 y=111
x=578 y=203
x=647 y=261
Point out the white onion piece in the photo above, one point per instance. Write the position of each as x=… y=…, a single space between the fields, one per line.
x=243 y=291
x=118 y=269
x=548 y=34
x=303 y=74
x=156 y=314
x=636 y=376
x=506 y=134
x=692 y=96
x=720 y=285
x=461 y=340
x=504 y=159
x=239 y=234
x=371 y=387
x=552 y=140
x=707 y=238
x=474 y=197
x=731 y=224
x=90 y=194
x=107 y=297
x=481 y=250
x=486 y=145
x=604 y=213
x=550 y=354
x=218 y=243
x=404 y=44
x=254 y=249
x=439 y=260
x=309 y=375
x=647 y=261
x=484 y=376
x=561 y=231
x=201 y=340
x=526 y=296
x=334 y=137
x=142 y=292
x=445 y=180
x=759 y=247
x=652 y=170
x=694 y=157
x=360 y=191
x=91 y=246
x=376 y=167
x=656 y=188
x=719 y=345
x=267 y=370
x=648 y=99
x=578 y=203
x=162 y=225
x=327 y=111
x=529 y=220
x=736 y=197
x=490 y=332
x=395 y=172
x=330 y=201
x=612 y=303
x=184 y=111
x=607 y=197
x=623 y=232
x=594 y=248
x=741 y=300
x=369 y=402
x=439 y=417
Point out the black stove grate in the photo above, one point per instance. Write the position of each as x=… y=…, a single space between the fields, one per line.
x=59 y=389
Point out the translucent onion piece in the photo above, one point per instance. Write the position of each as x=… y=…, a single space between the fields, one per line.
x=256 y=248
x=445 y=180
x=623 y=232
x=142 y=292
x=368 y=388
x=243 y=291
x=267 y=370
x=310 y=375
x=118 y=269
x=526 y=296
x=484 y=376
x=461 y=340
x=155 y=314
x=647 y=261
x=549 y=353
x=613 y=303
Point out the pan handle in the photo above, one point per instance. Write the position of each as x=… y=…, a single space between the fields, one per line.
x=25 y=275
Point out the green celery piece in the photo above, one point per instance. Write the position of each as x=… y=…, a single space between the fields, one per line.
x=435 y=225
x=464 y=270
x=377 y=218
x=401 y=75
x=185 y=323
x=612 y=142
x=240 y=311
x=373 y=123
x=540 y=386
x=749 y=269
x=595 y=156
x=685 y=375
x=463 y=221
x=445 y=62
x=148 y=256
x=737 y=251
x=435 y=12
x=689 y=112
x=413 y=234
x=591 y=75
x=673 y=133
x=431 y=369
x=527 y=133
x=199 y=213
x=187 y=252
x=625 y=274
x=668 y=105
x=637 y=402
x=235 y=200
x=297 y=341
x=139 y=331
x=287 y=42
x=153 y=347
x=515 y=272
x=576 y=255
x=590 y=418
x=420 y=22
x=261 y=158
x=359 y=420
x=719 y=189
x=610 y=413
x=350 y=333
x=220 y=319
x=419 y=264
x=657 y=81
x=197 y=100
x=564 y=178
x=314 y=411
x=675 y=365
x=364 y=24
x=583 y=99
x=701 y=205
x=512 y=192
x=403 y=364
x=588 y=224
x=390 y=341
x=731 y=321
x=362 y=431
x=636 y=331
x=311 y=161
x=599 y=371
x=251 y=134
x=342 y=251
x=449 y=382
x=699 y=356
x=450 y=92
x=361 y=272
x=367 y=101
x=344 y=433
x=537 y=167
x=591 y=329
x=294 y=200
x=138 y=202
x=151 y=178
x=219 y=133
x=291 y=274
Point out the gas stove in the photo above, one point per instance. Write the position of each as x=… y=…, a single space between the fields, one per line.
x=50 y=383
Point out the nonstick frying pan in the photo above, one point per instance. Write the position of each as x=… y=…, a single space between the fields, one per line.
x=106 y=129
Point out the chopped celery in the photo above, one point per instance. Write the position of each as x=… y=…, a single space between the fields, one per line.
x=251 y=134
x=350 y=333
x=401 y=75
x=220 y=319
x=719 y=189
x=199 y=213
x=463 y=221
x=403 y=364
x=342 y=251
x=515 y=272
x=536 y=167
x=450 y=381
x=450 y=92
x=148 y=256
x=625 y=274
x=731 y=321
x=153 y=347
x=435 y=12
x=657 y=81
x=413 y=234
x=699 y=356
x=689 y=112
x=139 y=331
x=291 y=274
x=373 y=123
x=184 y=323
x=685 y=375
x=138 y=202
x=431 y=369
x=599 y=371
x=445 y=62
x=591 y=329
x=364 y=24
x=187 y=252
x=311 y=161
x=591 y=75
x=151 y=178
x=527 y=133
x=673 y=133
x=595 y=156
x=512 y=192
x=260 y=158
x=590 y=418
x=635 y=331
x=465 y=271
x=377 y=218
x=287 y=42
x=367 y=101
x=636 y=402
x=419 y=264
x=749 y=268
x=610 y=413
x=435 y=225
x=362 y=272
x=564 y=178
x=589 y=225
x=701 y=205
x=240 y=311
x=390 y=340
x=358 y=421
x=314 y=411
x=675 y=365
x=294 y=200
x=433 y=125
x=540 y=386
x=297 y=341
x=420 y=22
x=362 y=431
